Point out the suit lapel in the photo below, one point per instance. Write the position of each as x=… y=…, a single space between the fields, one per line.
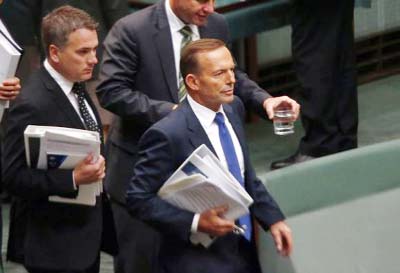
x=61 y=100
x=163 y=42
x=236 y=124
x=237 y=127
x=197 y=135
x=239 y=131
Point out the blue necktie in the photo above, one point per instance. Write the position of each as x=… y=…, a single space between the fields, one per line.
x=233 y=165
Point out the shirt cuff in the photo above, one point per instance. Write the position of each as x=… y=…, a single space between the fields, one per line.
x=73 y=181
x=195 y=223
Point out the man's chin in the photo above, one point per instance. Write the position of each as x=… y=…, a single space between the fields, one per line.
x=86 y=76
x=228 y=99
x=200 y=21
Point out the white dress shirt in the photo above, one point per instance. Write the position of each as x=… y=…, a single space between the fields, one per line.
x=206 y=118
x=175 y=25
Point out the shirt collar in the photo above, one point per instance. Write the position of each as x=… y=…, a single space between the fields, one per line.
x=176 y=24
x=65 y=84
x=205 y=115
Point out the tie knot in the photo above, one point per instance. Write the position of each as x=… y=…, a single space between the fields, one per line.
x=78 y=88
x=219 y=118
x=186 y=31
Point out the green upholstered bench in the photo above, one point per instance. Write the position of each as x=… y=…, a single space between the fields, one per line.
x=343 y=210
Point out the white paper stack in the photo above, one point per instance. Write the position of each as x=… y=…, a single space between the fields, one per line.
x=50 y=147
x=201 y=183
x=10 y=53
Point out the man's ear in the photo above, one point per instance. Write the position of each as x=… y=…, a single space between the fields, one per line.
x=192 y=82
x=53 y=53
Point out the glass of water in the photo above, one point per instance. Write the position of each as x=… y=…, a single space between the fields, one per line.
x=283 y=121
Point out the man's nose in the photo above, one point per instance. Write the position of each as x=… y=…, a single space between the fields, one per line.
x=231 y=76
x=93 y=57
x=209 y=6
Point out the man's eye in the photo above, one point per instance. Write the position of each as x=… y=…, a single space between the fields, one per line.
x=83 y=51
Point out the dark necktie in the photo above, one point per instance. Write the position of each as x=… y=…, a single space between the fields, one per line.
x=186 y=32
x=233 y=165
x=79 y=89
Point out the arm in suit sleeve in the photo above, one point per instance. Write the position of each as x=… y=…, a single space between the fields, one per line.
x=116 y=90
x=155 y=165
x=252 y=95
x=264 y=208
x=18 y=178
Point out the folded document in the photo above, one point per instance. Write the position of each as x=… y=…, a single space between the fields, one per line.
x=50 y=147
x=10 y=53
x=202 y=183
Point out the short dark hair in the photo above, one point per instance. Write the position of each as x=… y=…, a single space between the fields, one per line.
x=189 y=63
x=61 y=22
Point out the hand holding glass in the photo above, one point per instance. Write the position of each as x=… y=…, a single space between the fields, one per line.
x=283 y=121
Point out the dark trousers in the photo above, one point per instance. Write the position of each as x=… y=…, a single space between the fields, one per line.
x=2 y=133
x=92 y=269
x=324 y=61
x=138 y=243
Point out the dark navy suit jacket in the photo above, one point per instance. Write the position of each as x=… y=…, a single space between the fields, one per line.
x=161 y=151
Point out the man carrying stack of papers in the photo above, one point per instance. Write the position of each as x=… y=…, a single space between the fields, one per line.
x=202 y=183
x=10 y=53
x=50 y=147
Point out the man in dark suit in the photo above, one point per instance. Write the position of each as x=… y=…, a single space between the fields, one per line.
x=140 y=83
x=24 y=17
x=9 y=89
x=47 y=236
x=324 y=60
x=208 y=70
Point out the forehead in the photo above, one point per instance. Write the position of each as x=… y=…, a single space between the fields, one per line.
x=215 y=59
x=193 y=2
x=83 y=36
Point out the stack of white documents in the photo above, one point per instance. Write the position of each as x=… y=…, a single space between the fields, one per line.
x=202 y=183
x=10 y=54
x=50 y=147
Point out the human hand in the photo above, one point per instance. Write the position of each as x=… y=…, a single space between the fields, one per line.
x=9 y=89
x=87 y=171
x=282 y=236
x=273 y=103
x=211 y=222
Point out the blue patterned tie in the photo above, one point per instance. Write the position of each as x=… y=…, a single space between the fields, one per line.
x=233 y=165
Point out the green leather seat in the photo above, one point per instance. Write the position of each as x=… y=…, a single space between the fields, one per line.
x=343 y=210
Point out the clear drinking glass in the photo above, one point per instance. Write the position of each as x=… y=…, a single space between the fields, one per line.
x=283 y=121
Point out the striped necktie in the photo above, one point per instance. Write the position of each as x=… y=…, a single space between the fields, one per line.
x=186 y=32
